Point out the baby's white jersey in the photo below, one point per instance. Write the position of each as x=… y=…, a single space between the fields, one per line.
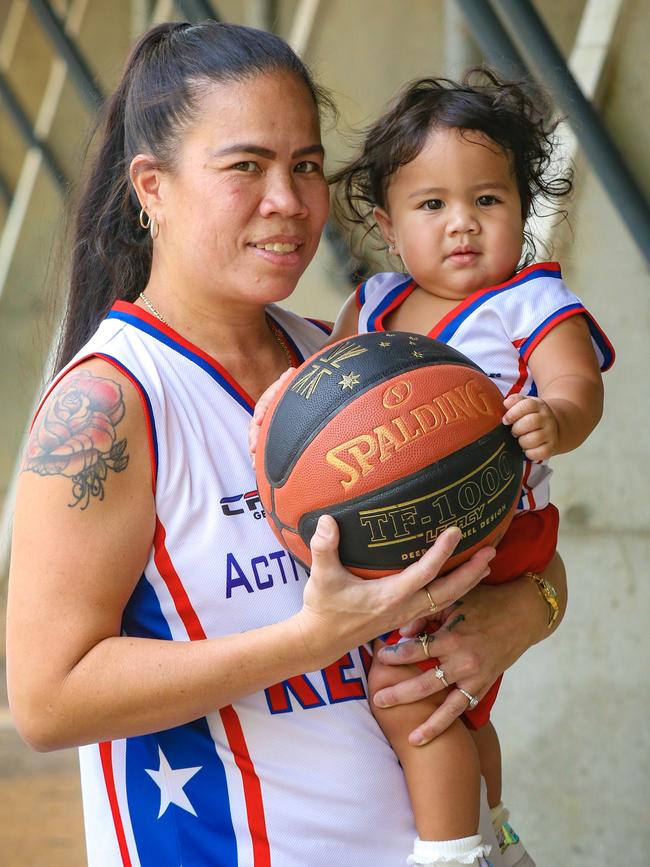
x=498 y=328
x=298 y=775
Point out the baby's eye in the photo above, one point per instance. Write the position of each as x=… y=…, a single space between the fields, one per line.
x=308 y=167
x=433 y=205
x=488 y=200
x=246 y=166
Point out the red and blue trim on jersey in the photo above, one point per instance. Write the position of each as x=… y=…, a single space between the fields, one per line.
x=597 y=334
x=449 y=324
x=140 y=319
x=389 y=302
x=325 y=327
x=144 y=398
x=162 y=840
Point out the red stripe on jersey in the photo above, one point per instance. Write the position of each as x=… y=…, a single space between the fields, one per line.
x=135 y=383
x=567 y=314
x=523 y=371
x=252 y=787
x=174 y=584
x=232 y=725
x=524 y=484
x=403 y=295
x=106 y=756
x=478 y=293
x=145 y=408
x=139 y=313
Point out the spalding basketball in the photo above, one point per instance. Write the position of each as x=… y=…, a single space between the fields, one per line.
x=396 y=436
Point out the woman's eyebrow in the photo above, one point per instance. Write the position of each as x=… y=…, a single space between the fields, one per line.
x=267 y=153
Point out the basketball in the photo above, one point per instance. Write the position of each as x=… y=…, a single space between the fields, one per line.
x=396 y=436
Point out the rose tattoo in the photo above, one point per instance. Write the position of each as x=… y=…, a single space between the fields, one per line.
x=75 y=436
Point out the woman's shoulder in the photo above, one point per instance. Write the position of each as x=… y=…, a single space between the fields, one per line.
x=88 y=428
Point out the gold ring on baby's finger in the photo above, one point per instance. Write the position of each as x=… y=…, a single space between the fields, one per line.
x=439 y=673
x=423 y=638
x=432 y=605
x=473 y=701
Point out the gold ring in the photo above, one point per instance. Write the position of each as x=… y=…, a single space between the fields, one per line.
x=432 y=605
x=423 y=638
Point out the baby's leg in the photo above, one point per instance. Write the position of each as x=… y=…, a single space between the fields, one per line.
x=489 y=753
x=443 y=776
x=513 y=851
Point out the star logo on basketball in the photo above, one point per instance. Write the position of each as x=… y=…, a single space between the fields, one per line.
x=349 y=380
x=397 y=394
x=306 y=385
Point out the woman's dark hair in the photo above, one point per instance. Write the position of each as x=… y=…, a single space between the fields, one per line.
x=158 y=97
x=515 y=115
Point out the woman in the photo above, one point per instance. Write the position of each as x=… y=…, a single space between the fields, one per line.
x=172 y=635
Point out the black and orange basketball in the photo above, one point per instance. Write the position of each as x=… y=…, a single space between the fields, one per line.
x=396 y=436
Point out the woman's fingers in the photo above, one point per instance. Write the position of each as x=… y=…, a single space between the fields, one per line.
x=446 y=588
x=443 y=590
x=452 y=707
x=324 y=545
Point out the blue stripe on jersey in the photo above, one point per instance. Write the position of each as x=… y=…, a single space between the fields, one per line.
x=601 y=342
x=150 y=621
x=178 y=836
x=449 y=330
x=386 y=302
x=183 y=350
x=144 y=394
x=555 y=315
x=323 y=327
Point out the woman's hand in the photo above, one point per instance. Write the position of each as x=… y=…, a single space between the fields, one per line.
x=482 y=635
x=262 y=407
x=341 y=611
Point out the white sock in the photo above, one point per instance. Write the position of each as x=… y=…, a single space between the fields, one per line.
x=431 y=853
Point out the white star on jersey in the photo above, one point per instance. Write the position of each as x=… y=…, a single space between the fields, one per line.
x=171 y=781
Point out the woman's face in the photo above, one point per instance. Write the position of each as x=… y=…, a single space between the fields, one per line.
x=242 y=212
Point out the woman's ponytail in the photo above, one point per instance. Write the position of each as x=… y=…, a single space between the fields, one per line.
x=111 y=253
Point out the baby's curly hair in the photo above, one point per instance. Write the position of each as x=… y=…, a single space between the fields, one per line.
x=516 y=115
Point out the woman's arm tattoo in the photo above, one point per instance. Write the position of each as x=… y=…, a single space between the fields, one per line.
x=74 y=435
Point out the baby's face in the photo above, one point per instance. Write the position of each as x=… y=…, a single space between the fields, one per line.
x=454 y=214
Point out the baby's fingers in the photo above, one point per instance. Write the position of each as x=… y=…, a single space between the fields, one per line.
x=517 y=407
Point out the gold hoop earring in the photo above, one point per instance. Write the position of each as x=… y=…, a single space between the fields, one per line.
x=144 y=214
x=154 y=228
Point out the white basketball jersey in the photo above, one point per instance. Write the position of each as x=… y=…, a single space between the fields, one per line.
x=498 y=328
x=298 y=775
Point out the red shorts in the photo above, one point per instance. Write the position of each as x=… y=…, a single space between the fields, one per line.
x=528 y=546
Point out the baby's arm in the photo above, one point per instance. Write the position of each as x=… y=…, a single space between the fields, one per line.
x=347 y=321
x=570 y=389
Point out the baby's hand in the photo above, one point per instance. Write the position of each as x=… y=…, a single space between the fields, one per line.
x=534 y=425
x=261 y=408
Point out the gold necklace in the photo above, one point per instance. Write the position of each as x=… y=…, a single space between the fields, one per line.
x=279 y=339
x=152 y=309
x=274 y=328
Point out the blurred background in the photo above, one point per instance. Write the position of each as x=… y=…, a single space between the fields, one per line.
x=573 y=713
